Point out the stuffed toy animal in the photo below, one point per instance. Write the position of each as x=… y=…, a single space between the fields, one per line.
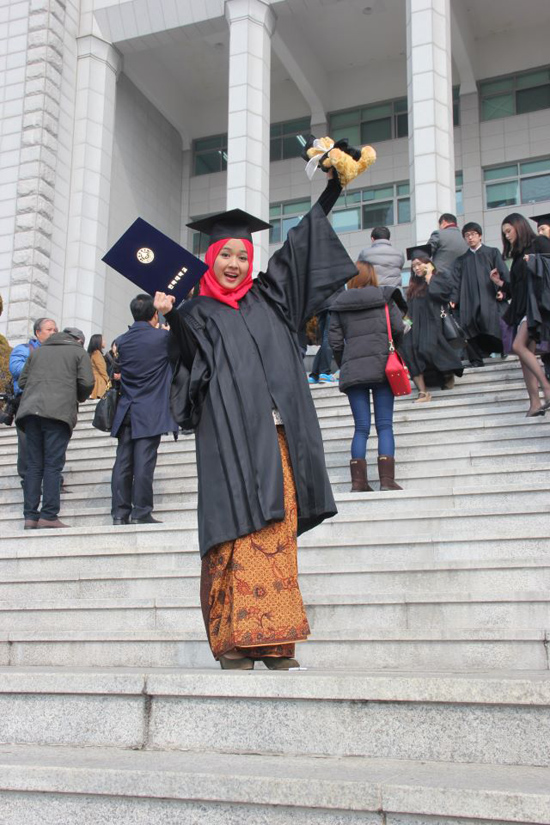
x=346 y=160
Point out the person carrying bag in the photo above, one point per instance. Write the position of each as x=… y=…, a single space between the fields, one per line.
x=358 y=336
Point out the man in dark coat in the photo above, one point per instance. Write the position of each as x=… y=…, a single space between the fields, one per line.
x=56 y=377
x=447 y=243
x=143 y=413
x=476 y=296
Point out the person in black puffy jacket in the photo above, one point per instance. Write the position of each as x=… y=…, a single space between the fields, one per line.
x=358 y=336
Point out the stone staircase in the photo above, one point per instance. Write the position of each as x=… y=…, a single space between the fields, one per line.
x=427 y=694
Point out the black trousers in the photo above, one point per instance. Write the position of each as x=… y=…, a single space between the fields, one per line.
x=21 y=453
x=132 y=478
x=46 y=440
x=322 y=363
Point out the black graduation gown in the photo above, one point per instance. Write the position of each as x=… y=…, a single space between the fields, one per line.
x=425 y=348
x=240 y=364
x=523 y=291
x=475 y=294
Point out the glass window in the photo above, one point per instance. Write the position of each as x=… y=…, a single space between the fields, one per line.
x=502 y=194
x=345 y=119
x=402 y=125
x=535 y=189
x=376 y=130
x=515 y=94
x=529 y=79
x=532 y=166
x=379 y=214
x=370 y=124
x=347 y=220
x=531 y=100
x=518 y=183
x=500 y=106
x=283 y=216
x=294 y=207
x=404 y=210
x=375 y=206
x=288 y=139
x=459 y=178
x=210 y=155
x=456 y=105
x=351 y=133
x=501 y=172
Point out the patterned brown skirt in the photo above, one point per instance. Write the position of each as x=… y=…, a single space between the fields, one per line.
x=250 y=596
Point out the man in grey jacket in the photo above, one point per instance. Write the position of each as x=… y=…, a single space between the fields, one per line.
x=447 y=243
x=55 y=378
x=387 y=261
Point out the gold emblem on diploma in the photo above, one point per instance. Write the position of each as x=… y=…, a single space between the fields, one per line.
x=145 y=255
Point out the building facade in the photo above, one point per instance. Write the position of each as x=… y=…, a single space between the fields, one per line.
x=176 y=109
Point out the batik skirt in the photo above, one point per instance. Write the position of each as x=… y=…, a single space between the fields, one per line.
x=250 y=596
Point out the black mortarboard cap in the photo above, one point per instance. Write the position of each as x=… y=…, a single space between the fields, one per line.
x=541 y=220
x=153 y=261
x=232 y=224
x=419 y=249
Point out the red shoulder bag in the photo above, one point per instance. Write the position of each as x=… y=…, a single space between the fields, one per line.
x=396 y=371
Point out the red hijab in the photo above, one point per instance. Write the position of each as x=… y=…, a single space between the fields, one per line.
x=210 y=286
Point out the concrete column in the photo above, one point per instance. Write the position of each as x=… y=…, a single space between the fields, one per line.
x=430 y=97
x=98 y=67
x=30 y=159
x=472 y=189
x=251 y=24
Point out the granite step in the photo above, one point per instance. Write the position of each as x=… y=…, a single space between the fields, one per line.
x=131 y=787
x=318 y=577
x=79 y=607
x=432 y=649
x=498 y=718
x=82 y=560
x=173 y=507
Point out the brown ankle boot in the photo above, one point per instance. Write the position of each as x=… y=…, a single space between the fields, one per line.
x=358 y=470
x=386 y=473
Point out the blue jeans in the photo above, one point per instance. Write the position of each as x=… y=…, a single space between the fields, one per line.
x=47 y=441
x=359 y=400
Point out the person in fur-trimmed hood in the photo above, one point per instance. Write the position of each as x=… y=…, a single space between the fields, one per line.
x=358 y=336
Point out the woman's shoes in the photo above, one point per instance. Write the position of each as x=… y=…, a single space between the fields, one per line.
x=540 y=411
x=359 y=482
x=423 y=397
x=279 y=662
x=243 y=663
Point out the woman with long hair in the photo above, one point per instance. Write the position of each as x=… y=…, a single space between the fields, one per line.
x=99 y=367
x=425 y=348
x=358 y=336
x=518 y=243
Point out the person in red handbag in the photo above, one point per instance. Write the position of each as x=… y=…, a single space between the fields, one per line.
x=358 y=336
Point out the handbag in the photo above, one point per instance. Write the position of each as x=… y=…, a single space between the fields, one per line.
x=397 y=373
x=104 y=414
x=452 y=331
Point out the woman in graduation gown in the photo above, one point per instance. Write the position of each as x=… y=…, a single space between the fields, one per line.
x=425 y=348
x=260 y=460
x=524 y=312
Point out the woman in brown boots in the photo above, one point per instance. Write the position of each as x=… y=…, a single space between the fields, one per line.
x=359 y=339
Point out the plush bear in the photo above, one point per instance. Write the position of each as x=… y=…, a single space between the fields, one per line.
x=346 y=160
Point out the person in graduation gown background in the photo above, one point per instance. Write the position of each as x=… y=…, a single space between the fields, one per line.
x=519 y=242
x=261 y=469
x=477 y=296
x=427 y=353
